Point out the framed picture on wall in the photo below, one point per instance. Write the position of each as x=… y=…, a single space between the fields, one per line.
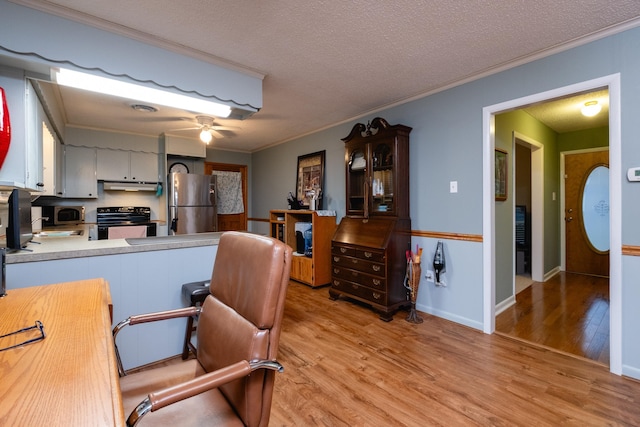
x=310 y=179
x=501 y=175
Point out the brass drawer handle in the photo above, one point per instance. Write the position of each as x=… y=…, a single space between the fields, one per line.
x=375 y=267
x=354 y=273
x=368 y=254
x=336 y=270
x=376 y=282
x=354 y=286
x=343 y=250
x=376 y=295
x=355 y=261
x=336 y=259
x=336 y=283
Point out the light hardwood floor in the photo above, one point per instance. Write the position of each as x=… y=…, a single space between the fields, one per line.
x=569 y=312
x=345 y=367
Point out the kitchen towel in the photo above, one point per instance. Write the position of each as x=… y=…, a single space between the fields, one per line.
x=229 y=192
x=130 y=231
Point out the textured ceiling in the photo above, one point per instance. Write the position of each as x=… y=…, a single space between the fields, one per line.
x=564 y=115
x=328 y=62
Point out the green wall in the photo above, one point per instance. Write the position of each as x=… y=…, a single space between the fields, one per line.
x=582 y=139
x=524 y=124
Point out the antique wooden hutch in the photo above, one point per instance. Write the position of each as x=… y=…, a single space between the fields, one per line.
x=368 y=250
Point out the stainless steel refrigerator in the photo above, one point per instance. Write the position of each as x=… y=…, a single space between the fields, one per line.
x=192 y=203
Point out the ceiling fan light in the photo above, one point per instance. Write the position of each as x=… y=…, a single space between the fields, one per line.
x=205 y=136
x=591 y=108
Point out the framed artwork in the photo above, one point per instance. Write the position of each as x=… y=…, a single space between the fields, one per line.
x=310 y=179
x=501 y=175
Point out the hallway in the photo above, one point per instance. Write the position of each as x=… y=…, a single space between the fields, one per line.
x=569 y=313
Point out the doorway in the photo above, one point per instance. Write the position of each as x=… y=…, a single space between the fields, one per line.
x=237 y=219
x=568 y=312
x=612 y=83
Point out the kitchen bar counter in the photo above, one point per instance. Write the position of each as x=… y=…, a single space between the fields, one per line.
x=145 y=275
x=50 y=248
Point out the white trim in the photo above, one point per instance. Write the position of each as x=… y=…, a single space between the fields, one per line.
x=488 y=220
x=615 y=203
x=551 y=273
x=502 y=306
x=537 y=204
x=488 y=223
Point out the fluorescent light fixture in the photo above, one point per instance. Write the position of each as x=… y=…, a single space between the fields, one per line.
x=591 y=108
x=136 y=92
x=205 y=136
x=132 y=186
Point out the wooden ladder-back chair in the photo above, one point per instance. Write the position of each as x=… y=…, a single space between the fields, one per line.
x=231 y=380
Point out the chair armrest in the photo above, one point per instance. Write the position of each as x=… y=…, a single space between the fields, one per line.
x=160 y=399
x=146 y=318
x=163 y=315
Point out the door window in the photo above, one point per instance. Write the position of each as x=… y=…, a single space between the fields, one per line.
x=595 y=208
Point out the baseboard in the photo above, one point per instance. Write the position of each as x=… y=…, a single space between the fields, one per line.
x=450 y=316
x=551 y=273
x=503 y=305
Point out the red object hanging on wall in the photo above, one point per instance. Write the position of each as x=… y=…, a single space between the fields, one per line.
x=5 y=128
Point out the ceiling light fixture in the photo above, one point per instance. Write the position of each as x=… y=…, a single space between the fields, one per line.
x=205 y=135
x=591 y=108
x=136 y=92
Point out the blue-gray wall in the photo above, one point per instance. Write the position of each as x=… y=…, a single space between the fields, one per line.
x=446 y=145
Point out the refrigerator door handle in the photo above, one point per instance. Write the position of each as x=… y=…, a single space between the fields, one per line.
x=212 y=192
x=174 y=220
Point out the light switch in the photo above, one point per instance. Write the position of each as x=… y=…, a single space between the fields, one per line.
x=453 y=187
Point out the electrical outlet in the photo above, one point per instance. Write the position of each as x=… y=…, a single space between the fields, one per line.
x=453 y=186
x=430 y=276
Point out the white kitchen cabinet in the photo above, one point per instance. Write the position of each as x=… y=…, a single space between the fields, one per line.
x=144 y=166
x=35 y=116
x=51 y=163
x=80 y=172
x=22 y=167
x=122 y=165
x=184 y=147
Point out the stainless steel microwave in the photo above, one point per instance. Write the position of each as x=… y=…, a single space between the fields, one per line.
x=63 y=215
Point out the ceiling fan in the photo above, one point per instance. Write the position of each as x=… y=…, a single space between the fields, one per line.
x=207 y=128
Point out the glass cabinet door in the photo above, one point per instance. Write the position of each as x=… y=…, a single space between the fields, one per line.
x=382 y=179
x=356 y=180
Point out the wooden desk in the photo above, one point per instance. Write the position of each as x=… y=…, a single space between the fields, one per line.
x=70 y=377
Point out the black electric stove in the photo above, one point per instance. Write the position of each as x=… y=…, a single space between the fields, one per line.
x=122 y=216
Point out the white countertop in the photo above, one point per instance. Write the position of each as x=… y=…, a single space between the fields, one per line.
x=47 y=248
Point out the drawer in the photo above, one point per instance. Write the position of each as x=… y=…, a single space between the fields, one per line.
x=373 y=295
x=370 y=255
x=375 y=282
x=374 y=268
x=343 y=250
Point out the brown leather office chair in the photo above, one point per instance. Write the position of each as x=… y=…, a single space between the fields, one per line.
x=231 y=380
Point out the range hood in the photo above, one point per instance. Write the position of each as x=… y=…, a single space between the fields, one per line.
x=130 y=186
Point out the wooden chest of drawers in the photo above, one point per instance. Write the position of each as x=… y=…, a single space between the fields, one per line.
x=367 y=264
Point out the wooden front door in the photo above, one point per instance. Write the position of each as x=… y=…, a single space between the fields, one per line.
x=583 y=254
x=231 y=221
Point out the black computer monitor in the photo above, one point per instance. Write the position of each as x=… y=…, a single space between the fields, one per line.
x=19 y=231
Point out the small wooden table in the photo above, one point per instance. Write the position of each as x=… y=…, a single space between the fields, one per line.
x=70 y=377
